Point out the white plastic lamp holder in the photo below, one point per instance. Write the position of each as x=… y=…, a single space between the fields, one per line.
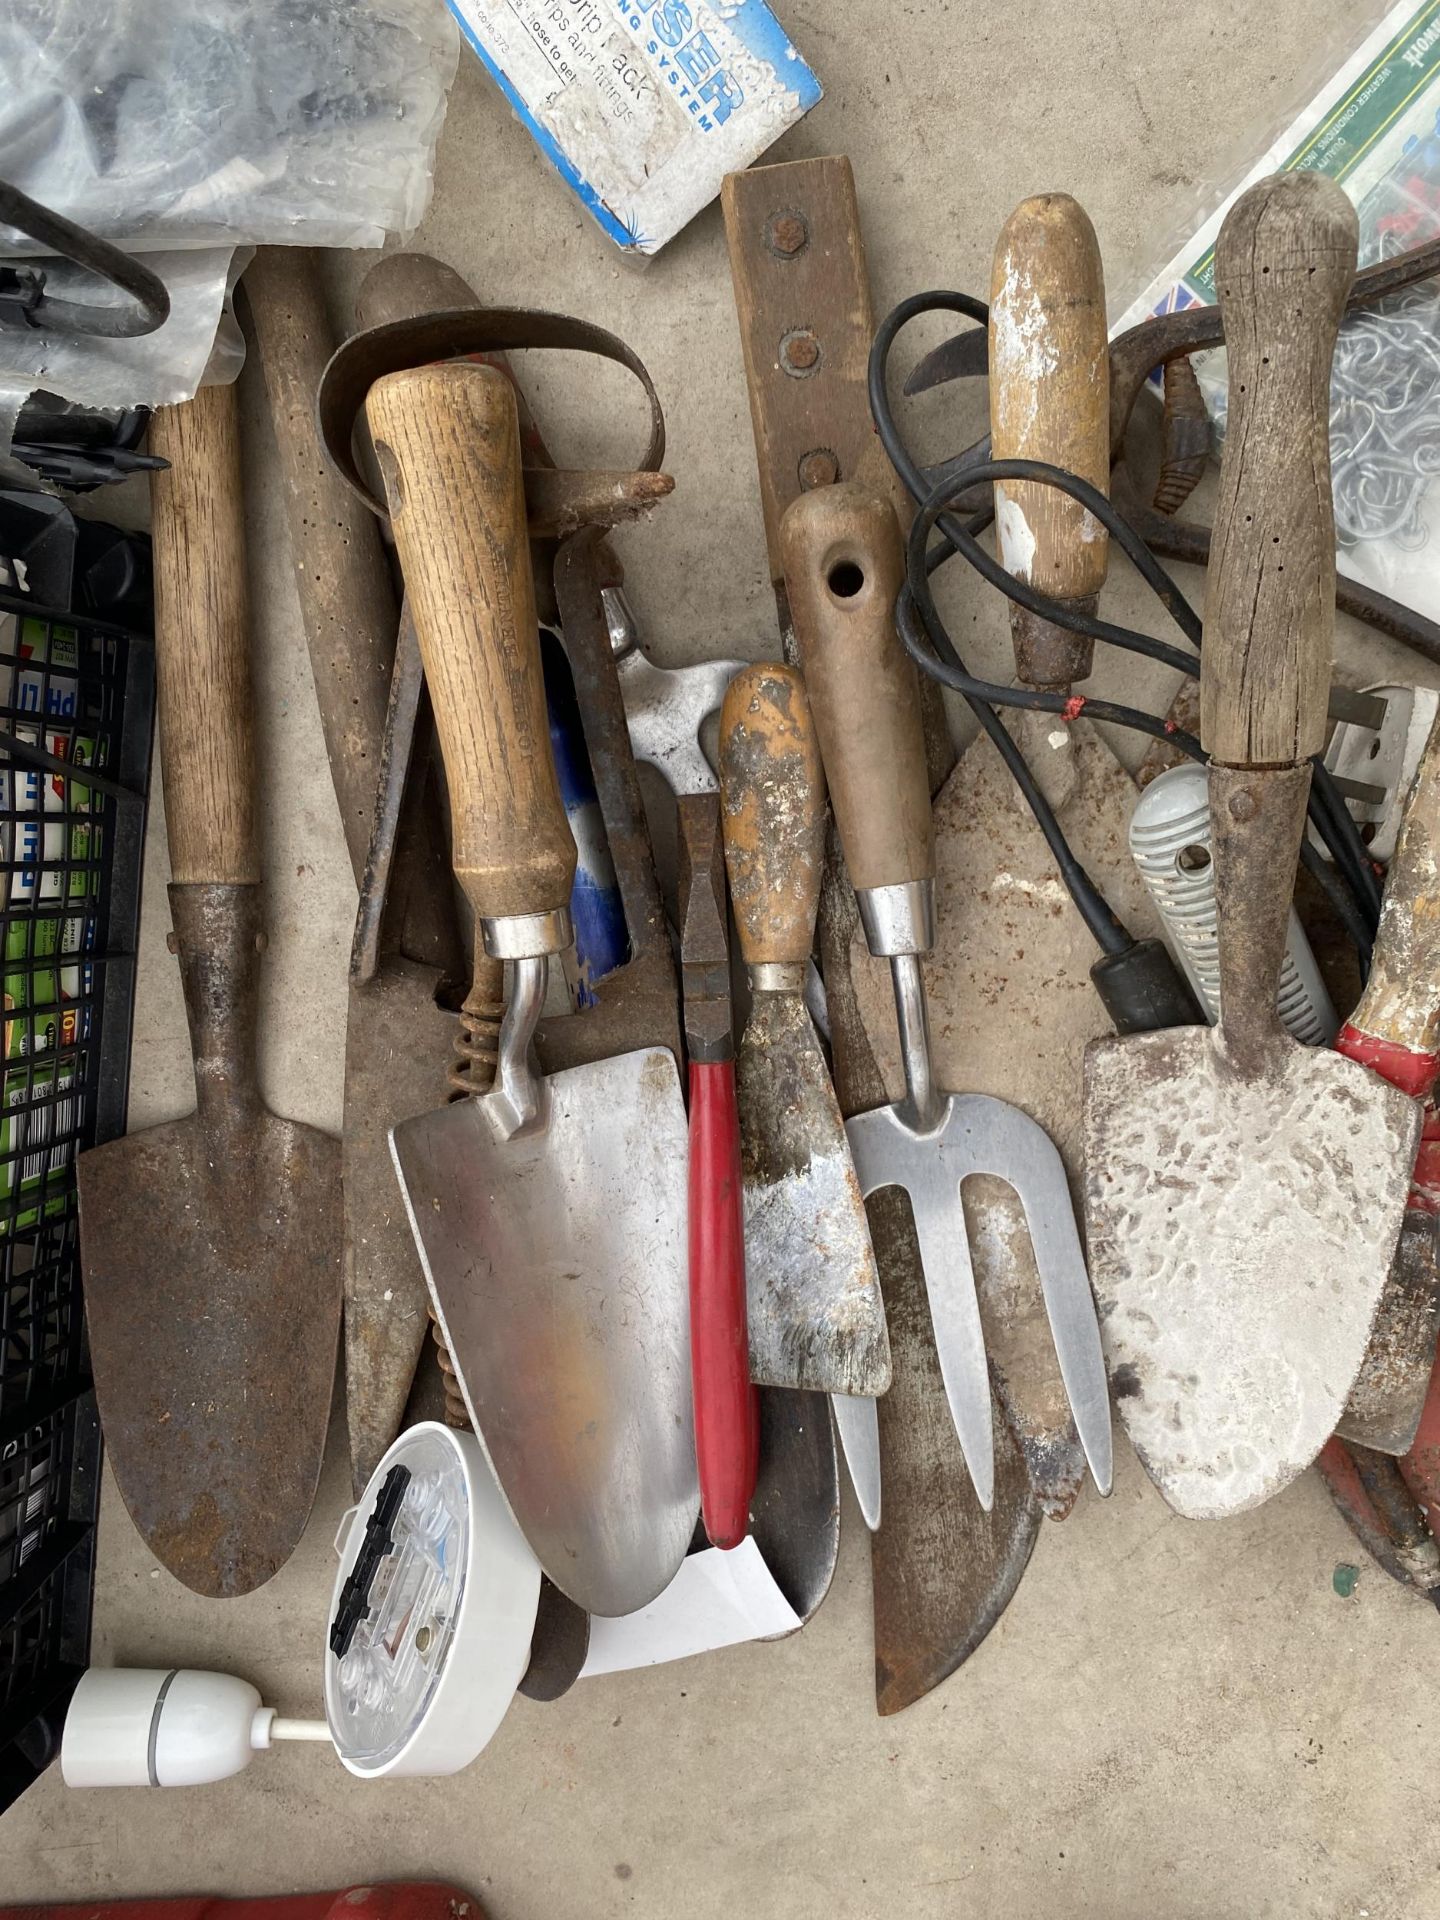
x=168 y=1727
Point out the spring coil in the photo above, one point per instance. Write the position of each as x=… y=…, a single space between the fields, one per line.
x=472 y=1071
x=477 y=1047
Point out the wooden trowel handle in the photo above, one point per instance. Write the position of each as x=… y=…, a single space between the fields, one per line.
x=1284 y=263
x=448 y=443
x=1050 y=400
x=772 y=796
x=844 y=563
x=202 y=668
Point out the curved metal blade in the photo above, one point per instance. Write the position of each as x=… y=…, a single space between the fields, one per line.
x=557 y=1264
x=962 y=357
x=857 y=1420
x=795 y=1509
x=212 y=1293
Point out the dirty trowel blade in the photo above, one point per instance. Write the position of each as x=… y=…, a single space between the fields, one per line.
x=816 y=1318
x=1240 y=1231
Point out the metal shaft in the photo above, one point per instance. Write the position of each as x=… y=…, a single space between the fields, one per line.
x=913 y=1017
x=518 y=1095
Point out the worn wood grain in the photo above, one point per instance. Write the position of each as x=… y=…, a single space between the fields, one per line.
x=772 y=800
x=202 y=664
x=1050 y=400
x=1284 y=263
x=448 y=442
x=843 y=566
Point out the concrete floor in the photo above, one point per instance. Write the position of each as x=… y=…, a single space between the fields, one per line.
x=1170 y=1719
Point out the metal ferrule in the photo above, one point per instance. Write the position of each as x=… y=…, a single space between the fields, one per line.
x=777 y=976
x=527 y=936
x=899 y=919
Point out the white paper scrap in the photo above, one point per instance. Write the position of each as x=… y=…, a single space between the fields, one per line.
x=715 y=1600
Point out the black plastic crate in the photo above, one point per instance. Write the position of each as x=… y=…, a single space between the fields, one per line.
x=76 y=718
x=49 y=1492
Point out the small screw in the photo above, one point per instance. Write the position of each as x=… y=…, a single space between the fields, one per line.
x=818 y=468
x=1243 y=804
x=800 y=353
x=172 y=945
x=262 y=941
x=787 y=234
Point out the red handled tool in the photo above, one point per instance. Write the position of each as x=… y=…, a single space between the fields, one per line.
x=665 y=708
x=1395 y=1031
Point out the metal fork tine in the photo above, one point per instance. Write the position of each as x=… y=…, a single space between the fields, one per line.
x=884 y=1154
x=1004 y=1141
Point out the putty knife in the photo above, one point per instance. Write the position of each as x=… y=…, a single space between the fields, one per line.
x=815 y=1315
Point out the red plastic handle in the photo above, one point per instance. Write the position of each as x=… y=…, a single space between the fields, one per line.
x=727 y=1411
x=1412 y=1073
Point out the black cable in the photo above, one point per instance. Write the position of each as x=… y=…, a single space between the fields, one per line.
x=1342 y=899
x=1105 y=927
x=1331 y=818
x=938 y=498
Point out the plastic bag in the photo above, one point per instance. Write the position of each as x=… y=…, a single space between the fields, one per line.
x=185 y=123
x=1375 y=127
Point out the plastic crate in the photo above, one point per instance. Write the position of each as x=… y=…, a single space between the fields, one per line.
x=76 y=719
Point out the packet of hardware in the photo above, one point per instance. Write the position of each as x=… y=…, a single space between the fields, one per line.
x=643 y=109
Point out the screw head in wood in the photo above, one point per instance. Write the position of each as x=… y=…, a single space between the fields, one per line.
x=818 y=468
x=800 y=353
x=787 y=233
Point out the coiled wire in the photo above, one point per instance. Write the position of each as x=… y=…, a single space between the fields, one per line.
x=1350 y=884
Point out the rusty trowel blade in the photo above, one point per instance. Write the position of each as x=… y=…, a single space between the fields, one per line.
x=944 y=1569
x=396 y=1043
x=816 y=1317
x=1240 y=1227
x=213 y=1301
x=1388 y=1398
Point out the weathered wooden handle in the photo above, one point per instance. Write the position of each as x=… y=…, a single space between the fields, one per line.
x=772 y=795
x=202 y=666
x=348 y=603
x=844 y=563
x=1399 y=1010
x=1050 y=400
x=1284 y=263
x=448 y=443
